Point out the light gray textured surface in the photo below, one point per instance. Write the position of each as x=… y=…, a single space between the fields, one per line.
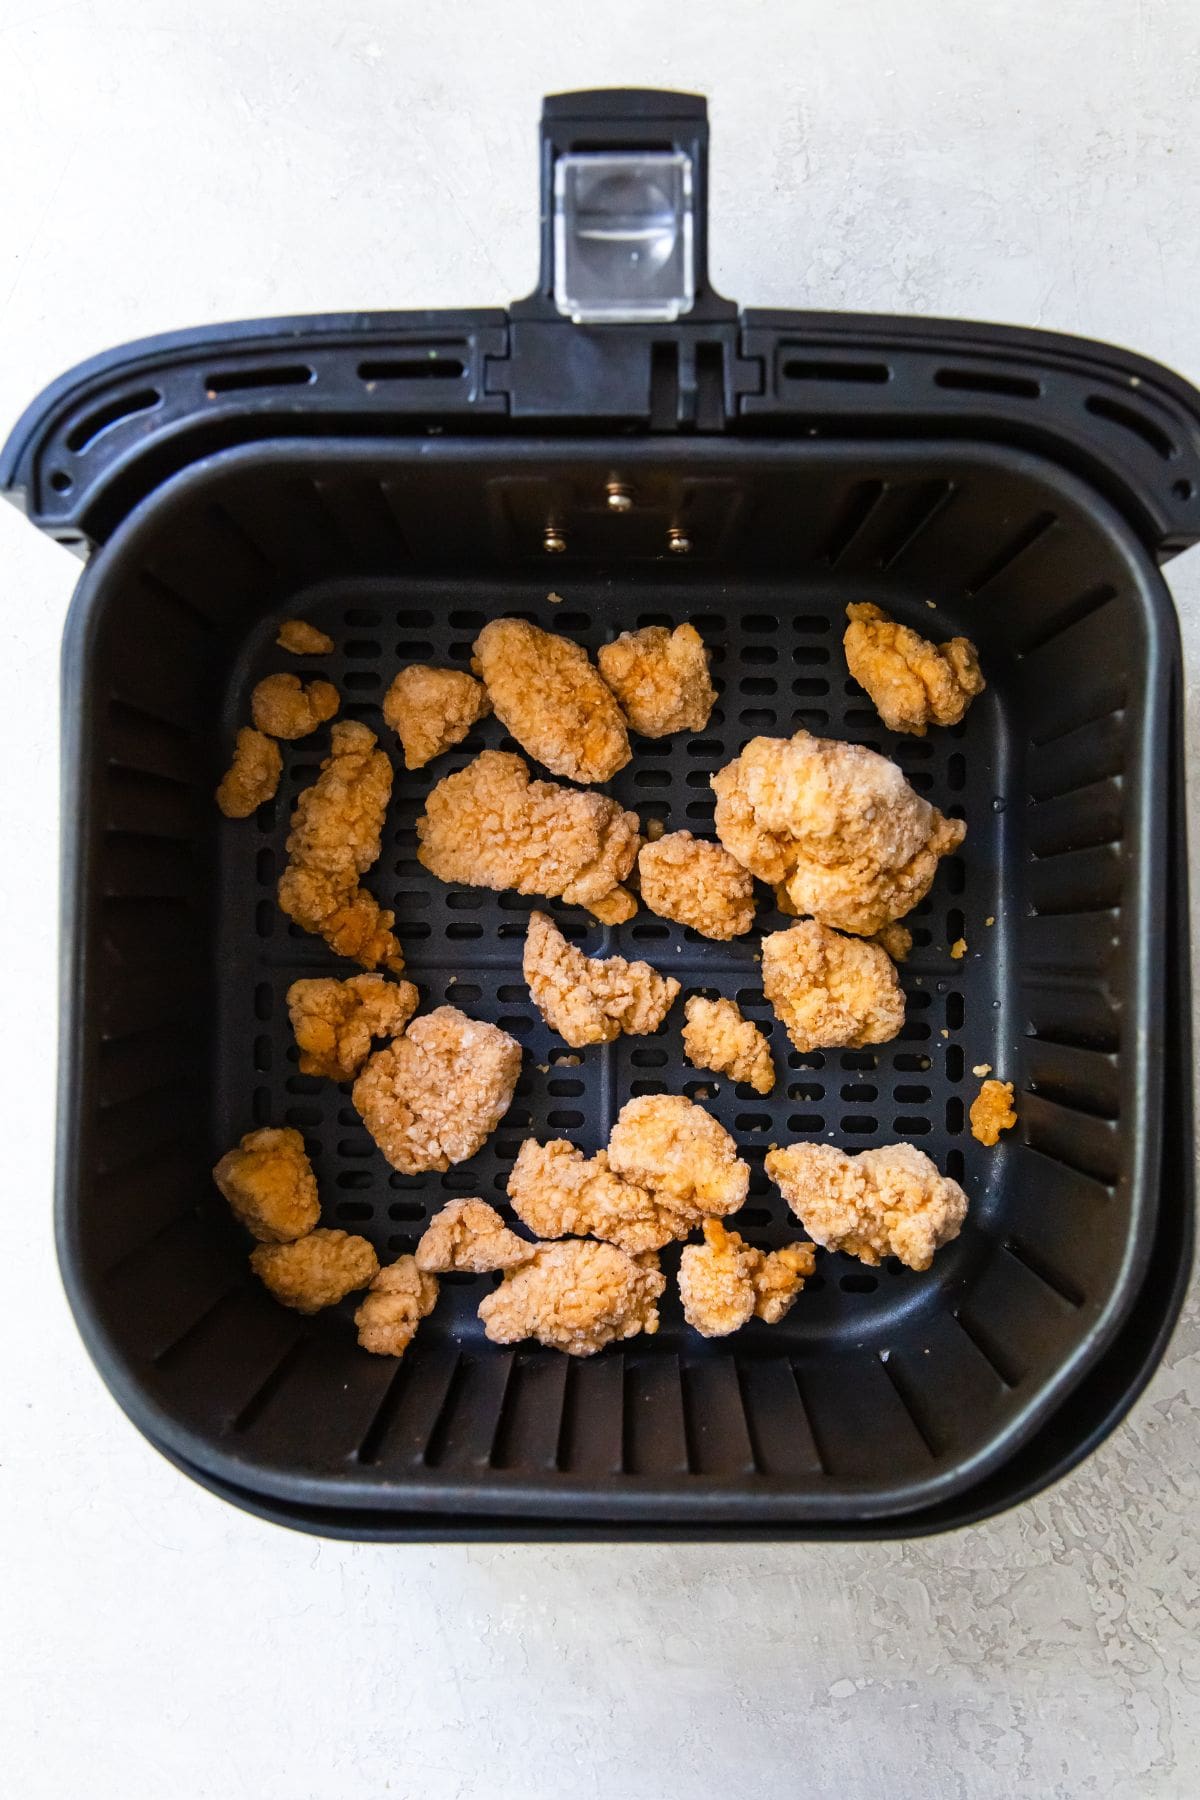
x=167 y=163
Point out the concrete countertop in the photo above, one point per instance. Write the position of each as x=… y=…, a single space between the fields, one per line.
x=167 y=164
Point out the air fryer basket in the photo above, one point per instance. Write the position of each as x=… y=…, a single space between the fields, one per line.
x=243 y=488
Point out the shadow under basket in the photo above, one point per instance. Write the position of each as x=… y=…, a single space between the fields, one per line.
x=883 y=1393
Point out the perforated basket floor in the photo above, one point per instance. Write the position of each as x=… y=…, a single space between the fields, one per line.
x=882 y=1389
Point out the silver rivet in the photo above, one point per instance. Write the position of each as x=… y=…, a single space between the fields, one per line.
x=678 y=541
x=553 y=540
x=620 y=500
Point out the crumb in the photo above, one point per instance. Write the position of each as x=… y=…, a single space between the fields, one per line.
x=252 y=776
x=470 y=1235
x=335 y=837
x=549 y=695
x=334 y=1021
x=982 y=1069
x=896 y=939
x=430 y=710
x=543 y=1068
x=725 y=1282
x=654 y=830
x=698 y=884
x=831 y=990
x=660 y=679
x=435 y=1096
x=303 y=639
x=317 y=1270
x=990 y=920
x=913 y=683
x=400 y=1296
x=490 y=826
x=717 y=1037
x=269 y=1184
x=886 y=1202
x=680 y=1152
x=568 y=1062
x=554 y=599
x=945 y=1033
x=284 y=707
x=932 y=603
x=855 y=845
x=558 y=1192
x=992 y=1111
x=575 y=1296
x=958 y=949
x=591 y=1000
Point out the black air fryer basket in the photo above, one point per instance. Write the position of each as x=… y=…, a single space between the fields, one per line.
x=629 y=441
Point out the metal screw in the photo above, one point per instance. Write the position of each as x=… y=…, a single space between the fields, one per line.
x=553 y=540
x=678 y=540
x=620 y=500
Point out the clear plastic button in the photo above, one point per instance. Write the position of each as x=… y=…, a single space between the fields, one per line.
x=623 y=228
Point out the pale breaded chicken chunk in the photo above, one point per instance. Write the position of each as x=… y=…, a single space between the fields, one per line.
x=725 y=1282
x=269 y=1183
x=886 y=1202
x=303 y=639
x=252 y=776
x=317 y=1270
x=471 y=1236
x=680 y=1152
x=549 y=696
x=696 y=883
x=285 y=707
x=836 y=823
x=559 y=1192
x=430 y=710
x=913 y=683
x=717 y=1037
x=335 y=836
x=489 y=825
x=400 y=1296
x=575 y=1296
x=831 y=990
x=587 y=999
x=334 y=1021
x=436 y=1095
x=660 y=679
x=992 y=1111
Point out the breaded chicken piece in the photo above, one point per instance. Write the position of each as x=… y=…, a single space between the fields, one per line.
x=283 y=706
x=303 y=639
x=252 y=776
x=490 y=826
x=269 y=1183
x=335 y=836
x=680 y=1152
x=588 y=999
x=576 y=1296
x=548 y=695
x=334 y=1021
x=725 y=1282
x=317 y=1270
x=886 y=1202
x=470 y=1235
x=897 y=940
x=831 y=990
x=696 y=883
x=717 y=1037
x=435 y=1096
x=837 y=823
x=992 y=1111
x=400 y=1296
x=660 y=678
x=432 y=709
x=559 y=1192
x=913 y=683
